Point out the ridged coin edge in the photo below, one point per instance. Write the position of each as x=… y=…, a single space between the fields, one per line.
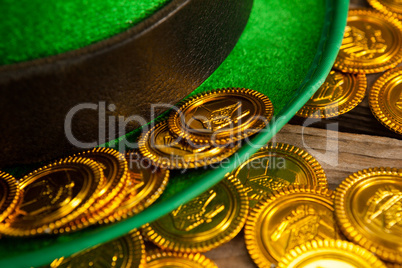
x=196 y=257
x=332 y=110
x=347 y=227
x=374 y=68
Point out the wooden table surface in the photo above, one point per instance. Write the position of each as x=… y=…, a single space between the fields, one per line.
x=342 y=145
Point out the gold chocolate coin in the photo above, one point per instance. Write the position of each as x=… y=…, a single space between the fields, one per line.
x=385 y=99
x=276 y=166
x=9 y=195
x=204 y=223
x=159 y=259
x=368 y=208
x=113 y=190
x=127 y=251
x=114 y=166
x=221 y=116
x=330 y=254
x=167 y=151
x=372 y=43
x=339 y=94
x=55 y=195
x=145 y=184
x=288 y=218
x=388 y=7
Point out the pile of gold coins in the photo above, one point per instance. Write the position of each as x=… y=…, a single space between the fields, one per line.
x=206 y=128
x=293 y=219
